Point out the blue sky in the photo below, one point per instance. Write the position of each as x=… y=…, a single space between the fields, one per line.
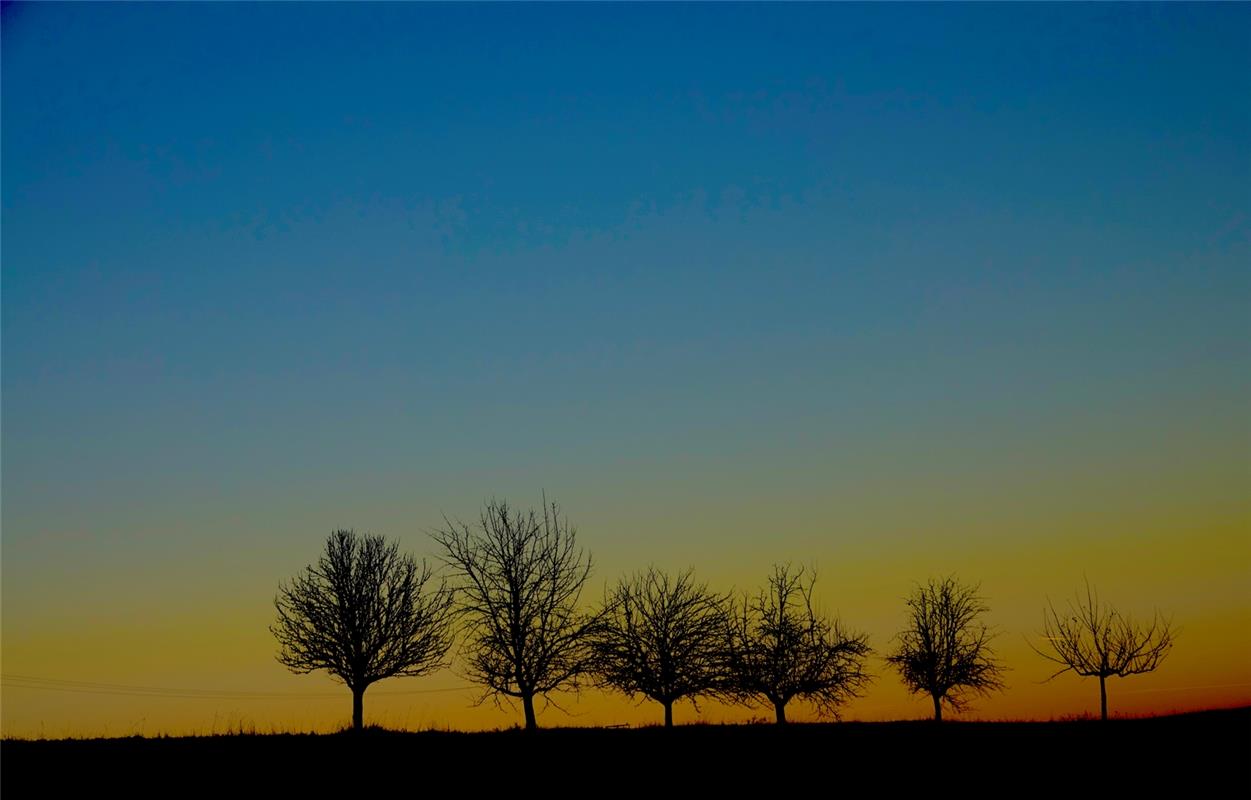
x=223 y=220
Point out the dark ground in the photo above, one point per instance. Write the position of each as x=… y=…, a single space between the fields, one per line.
x=1195 y=754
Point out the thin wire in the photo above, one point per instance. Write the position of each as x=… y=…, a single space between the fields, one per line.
x=1186 y=688
x=95 y=687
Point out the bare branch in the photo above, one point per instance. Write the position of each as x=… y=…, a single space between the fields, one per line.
x=520 y=576
x=945 y=650
x=662 y=638
x=779 y=648
x=362 y=613
x=1098 y=641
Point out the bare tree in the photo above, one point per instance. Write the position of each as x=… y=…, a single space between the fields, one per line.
x=663 y=638
x=945 y=651
x=520 y=577
x=779 y=649
x=362 y=613
x=1094 y=640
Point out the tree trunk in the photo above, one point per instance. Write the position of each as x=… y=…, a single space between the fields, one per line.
x=1103 y=698
x=358 y=708
x=527 y=702
x=780 y=708
x=669 y=714
x=938 y=708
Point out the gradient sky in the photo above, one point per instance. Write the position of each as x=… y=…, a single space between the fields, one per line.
x=896 y=291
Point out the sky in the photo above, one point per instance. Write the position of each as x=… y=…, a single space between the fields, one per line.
x=891 y=291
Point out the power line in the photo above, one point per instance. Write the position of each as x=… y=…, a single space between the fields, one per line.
x=1186 y=688
x=129 y=690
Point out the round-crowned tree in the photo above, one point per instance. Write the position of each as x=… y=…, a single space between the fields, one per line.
x=945 y=650
x=779 y=649
x=662 y=637
x=363 y=613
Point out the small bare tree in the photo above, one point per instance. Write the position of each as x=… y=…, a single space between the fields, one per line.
x=663 y=638
x=945 y=651
x=1094 y=640
x=779 y=649
x=362 y=613
x=520 y=576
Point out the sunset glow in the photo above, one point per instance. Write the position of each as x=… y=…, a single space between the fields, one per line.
x=892 y=292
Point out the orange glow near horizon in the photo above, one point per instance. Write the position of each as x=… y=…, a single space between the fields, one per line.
x=229 y=650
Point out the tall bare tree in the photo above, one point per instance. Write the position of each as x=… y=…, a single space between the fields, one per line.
x=362 y=613
x=945 y=651
x=1095 y=640
x=520 y=576
x=662 y=638
x=779 y=648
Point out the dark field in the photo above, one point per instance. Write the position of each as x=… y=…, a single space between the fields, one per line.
x=1192 y=753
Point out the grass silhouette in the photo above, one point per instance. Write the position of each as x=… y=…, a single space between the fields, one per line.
x=1199 y=752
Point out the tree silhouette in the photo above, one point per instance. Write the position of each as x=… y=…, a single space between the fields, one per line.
x=945 y=651
x=779 y=648
x=663 y=638
x=1099 y=641
x=520 y=577
x=362 y=614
